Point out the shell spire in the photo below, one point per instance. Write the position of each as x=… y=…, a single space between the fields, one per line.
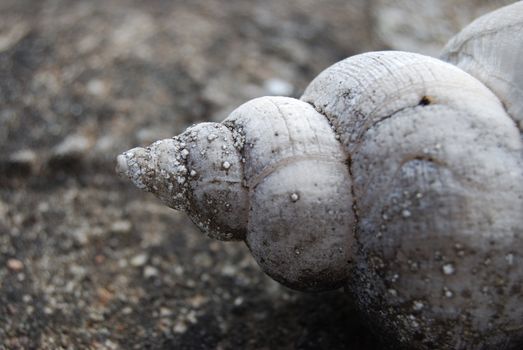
x=199 y=172
x=160 y=169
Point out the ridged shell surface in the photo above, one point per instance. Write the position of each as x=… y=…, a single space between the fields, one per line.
x=491 y=49
x=435 y=163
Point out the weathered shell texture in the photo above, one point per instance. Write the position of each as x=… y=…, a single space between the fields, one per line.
x=436 y=170
x=194 y=172
x=491 y=49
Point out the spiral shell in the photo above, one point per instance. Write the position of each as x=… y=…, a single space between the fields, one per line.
x=396 y=175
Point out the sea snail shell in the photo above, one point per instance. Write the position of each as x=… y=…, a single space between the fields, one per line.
x=396 y=175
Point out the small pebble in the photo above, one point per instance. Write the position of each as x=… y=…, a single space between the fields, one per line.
x=197 y=301
x=229 y=270
x=139 y=260
x=26 y=157
x=15 y=265
x=448 y=269
x=393 y=292
x=72 y=145
x=191 y=317
x=165 y=312
x=96 y=87
x=180 y=328
x=417 y=305
x=150 y=271
x=238 y=301
x=121 y=226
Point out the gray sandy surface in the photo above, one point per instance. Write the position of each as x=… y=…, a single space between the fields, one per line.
x=86 y=260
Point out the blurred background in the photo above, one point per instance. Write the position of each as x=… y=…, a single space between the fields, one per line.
x=89 y=262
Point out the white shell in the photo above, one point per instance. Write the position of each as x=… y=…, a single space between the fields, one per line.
x=491 y=49
x=397 y=175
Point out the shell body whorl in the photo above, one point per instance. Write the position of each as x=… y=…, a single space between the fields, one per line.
x=430 y=146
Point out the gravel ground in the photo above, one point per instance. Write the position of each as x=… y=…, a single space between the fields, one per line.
x=89 y=262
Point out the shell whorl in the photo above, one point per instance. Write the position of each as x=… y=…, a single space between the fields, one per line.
x=491 y=49
x=430 y=146
x=300 y=220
